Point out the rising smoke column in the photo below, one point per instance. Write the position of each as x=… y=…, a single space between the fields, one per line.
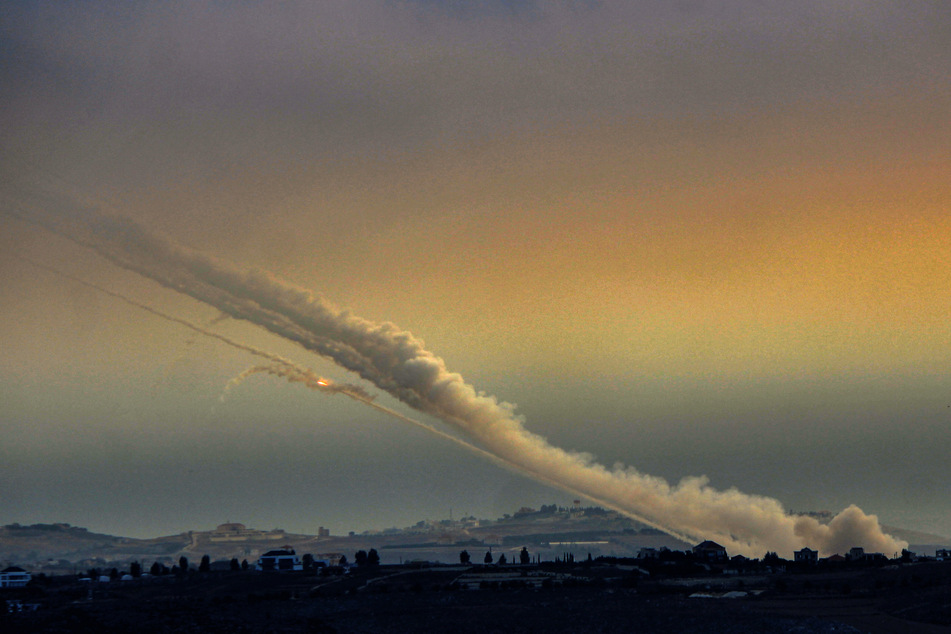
x=398 y=363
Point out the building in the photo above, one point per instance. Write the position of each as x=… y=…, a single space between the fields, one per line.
x=709 y=551
x=807 y=556
x=14 y=577
x=235 y=532
x=231 y=528
x=858 y=555
x=280 y=560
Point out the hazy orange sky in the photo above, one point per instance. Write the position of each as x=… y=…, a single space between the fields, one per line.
x=695 y=238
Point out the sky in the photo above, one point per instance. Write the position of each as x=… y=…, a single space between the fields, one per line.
x=693 y=238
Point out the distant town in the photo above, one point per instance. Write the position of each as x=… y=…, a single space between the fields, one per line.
x=49 y=570
x=549 y=532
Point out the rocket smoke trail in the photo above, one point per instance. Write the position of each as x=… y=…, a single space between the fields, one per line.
x=295 y=373
x=398 y=363
x=302 y=374
x=289 y=373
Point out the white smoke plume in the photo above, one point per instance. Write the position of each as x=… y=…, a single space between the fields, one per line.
x=398 y=363
x=294 y=373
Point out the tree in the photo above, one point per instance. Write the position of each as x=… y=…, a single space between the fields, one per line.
x=343 y=561
x=114 y=574
x=488 y=557
x=464 y=558
x=135 y=569
x=183 y=564
x=308 y=561
x=361 y=558
x=502 y=559
x=373 y=558
x=156 y=569
x=244 y=564
x=235 y=566
x=205 y=565
x=524 y=557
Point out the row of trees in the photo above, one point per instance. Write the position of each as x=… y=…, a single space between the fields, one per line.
x=523 y=557
x=159 y=569
x=364 y=558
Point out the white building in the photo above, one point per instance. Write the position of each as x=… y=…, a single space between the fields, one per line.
x=280 y=560
x=14 y=577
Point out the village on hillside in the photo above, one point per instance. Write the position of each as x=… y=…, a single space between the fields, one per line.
x=551 y=562
x=550 y=532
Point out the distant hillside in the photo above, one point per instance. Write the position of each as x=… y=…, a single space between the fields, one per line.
x=917 y=537
x=52 y=541
x=546 y=532
x=37 y=544
x=548 y=529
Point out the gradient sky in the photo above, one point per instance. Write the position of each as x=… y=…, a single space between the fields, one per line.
x=697 y=238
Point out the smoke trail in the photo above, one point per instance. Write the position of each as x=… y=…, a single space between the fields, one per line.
x=397 y=362
x=300 y=373
x=290 y=373
x=287 y=369
x=238 y=380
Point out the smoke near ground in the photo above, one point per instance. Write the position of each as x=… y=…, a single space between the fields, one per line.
x=398 y=363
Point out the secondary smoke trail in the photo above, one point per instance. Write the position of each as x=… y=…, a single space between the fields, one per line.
x=305 y=375
x=397 y=362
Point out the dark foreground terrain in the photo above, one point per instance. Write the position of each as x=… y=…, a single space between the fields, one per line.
x=582 y=598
